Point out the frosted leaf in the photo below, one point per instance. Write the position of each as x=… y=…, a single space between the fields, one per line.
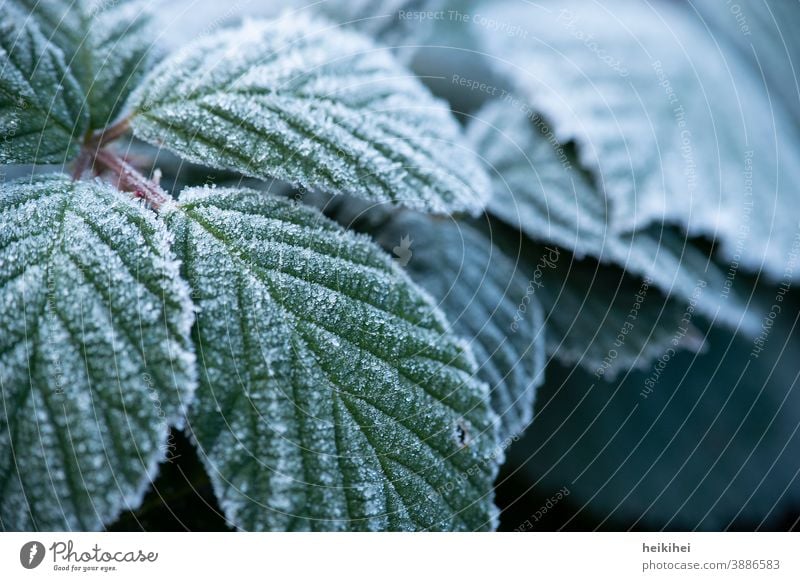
x=538 y=188
x=124 y=39
x=96 y=360
x=314 y=106
x=42 y=118
x=674 y=126
x=332 y=396
x=488 y=298
x=491 y=300
x=107 y=45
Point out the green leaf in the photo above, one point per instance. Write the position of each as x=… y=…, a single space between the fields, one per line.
x=96 y=361
x=489 y=300
x=539 y=189
x=673 y=126
x=124 y=49
x=42 y=117
x=108 y=46
x=332 y=396
x=314 y=106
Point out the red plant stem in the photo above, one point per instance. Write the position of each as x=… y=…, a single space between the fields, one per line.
x=110 y=133
x=129 y=179
x=94 y=142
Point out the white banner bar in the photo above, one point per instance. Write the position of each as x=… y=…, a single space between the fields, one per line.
x=390 y=556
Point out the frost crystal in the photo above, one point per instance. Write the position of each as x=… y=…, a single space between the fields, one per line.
x=331 y=393
x=95 y=357
x=315 y=106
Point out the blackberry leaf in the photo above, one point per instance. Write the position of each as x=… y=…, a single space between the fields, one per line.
x=96 y=361
x=332 y=396
x=488 y=297
x=314 y=106
x=42 y=117
x=106 y=45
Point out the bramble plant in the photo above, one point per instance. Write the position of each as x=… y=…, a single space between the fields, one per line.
x=277 y=240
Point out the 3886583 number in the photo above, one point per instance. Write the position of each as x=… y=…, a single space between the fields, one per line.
x=755 y=564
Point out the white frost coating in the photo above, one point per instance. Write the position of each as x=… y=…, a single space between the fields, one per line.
x=188 y=20
x=124 y=47
x=537 y=189
x=313 y=105
x=330 y=389
x=96 y=362
x=672 y=126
